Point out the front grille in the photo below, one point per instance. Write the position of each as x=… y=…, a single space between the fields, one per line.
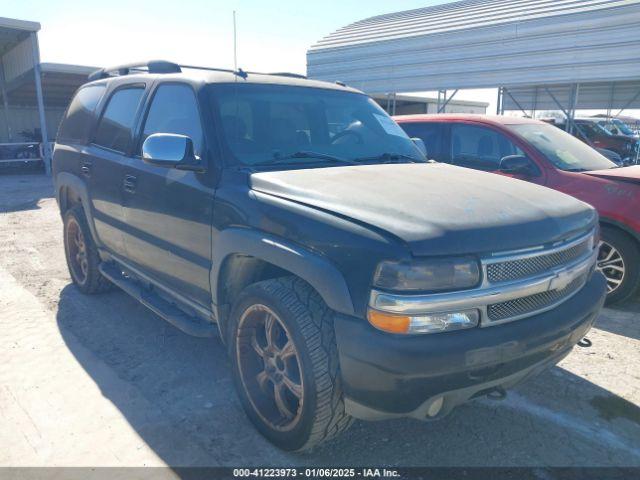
x=527 y=267
x=533 y=303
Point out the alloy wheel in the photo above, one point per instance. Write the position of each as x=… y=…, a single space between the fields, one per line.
x=270 y=367
x=611 y=264
x=78 y=259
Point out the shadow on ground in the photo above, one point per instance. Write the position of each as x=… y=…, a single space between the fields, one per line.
x=194 y=416
x=617 y=320
x=23 y=192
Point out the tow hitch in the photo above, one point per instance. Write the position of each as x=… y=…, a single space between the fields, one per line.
x=585 y=343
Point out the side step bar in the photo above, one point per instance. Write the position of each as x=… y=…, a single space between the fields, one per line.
x=172 y=314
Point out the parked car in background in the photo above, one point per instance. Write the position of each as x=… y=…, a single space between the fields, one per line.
x=615 y=126
x=295 y=219
x=600 y=137
x=613 y=156
x=540 y=153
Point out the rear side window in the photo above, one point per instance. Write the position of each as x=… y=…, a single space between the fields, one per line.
x=174 y=110
x=78 y=120
x=432 y=134
x=115 y=128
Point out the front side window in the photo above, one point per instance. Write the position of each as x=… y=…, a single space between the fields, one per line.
x=114 y=130
x=174 y=109
x=563 y=150
x=278 y=124
x=480 y=148
x=79 y=116
x=432 y=134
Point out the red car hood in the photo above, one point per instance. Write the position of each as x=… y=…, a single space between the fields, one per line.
x=624 y=174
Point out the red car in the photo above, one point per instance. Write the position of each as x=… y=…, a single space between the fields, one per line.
x=541 y=153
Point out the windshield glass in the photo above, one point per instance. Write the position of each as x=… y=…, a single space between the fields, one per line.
x=622 y=127
x=279 y=124
x=563 y=150
x=592 y=129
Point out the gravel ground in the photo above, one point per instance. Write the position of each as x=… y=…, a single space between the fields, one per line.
x=102 y=381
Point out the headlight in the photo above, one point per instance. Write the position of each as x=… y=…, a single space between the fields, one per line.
x=434 y=275
x=423 y=323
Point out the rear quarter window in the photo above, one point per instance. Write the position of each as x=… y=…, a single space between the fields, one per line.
x=78 y=119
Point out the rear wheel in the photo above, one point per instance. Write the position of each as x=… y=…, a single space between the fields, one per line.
x=618 y=261
x=285 y=363
x=82 y=255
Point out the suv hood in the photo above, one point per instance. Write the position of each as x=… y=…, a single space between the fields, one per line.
x=623 y=174
x=436 y=209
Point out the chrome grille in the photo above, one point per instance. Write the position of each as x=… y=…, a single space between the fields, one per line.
x=525 y=305
x=527 y=267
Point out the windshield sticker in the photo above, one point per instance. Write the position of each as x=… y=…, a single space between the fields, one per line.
x=391 y=127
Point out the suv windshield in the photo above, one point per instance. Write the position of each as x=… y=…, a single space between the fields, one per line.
x=563 y=150
x=287 y=125
x=622 y=127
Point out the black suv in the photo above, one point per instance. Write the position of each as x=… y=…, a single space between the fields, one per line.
x=348 y=276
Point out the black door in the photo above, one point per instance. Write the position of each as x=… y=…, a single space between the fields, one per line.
x=168 y=211
x=104 y=162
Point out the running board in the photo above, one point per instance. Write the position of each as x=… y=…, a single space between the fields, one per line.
x=172 y=314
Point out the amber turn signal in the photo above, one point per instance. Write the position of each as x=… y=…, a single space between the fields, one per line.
x=389 y=323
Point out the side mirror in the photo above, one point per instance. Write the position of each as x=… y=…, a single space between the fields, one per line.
x=420 y=144
x=614 y=131
x=517 y=164
x=170 y=150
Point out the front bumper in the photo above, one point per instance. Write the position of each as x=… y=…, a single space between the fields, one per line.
x=425 y=376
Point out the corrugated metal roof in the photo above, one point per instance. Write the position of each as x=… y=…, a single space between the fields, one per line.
x=478 y=44
x=464 y=15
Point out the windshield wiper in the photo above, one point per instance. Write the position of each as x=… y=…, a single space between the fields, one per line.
x=388 y=157
x=280 y=159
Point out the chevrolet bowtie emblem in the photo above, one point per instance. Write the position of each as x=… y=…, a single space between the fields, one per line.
x=561 y=280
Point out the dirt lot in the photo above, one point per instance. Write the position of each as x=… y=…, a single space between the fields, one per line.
x=102 y=381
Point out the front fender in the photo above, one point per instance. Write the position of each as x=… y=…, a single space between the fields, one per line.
x=315 y=269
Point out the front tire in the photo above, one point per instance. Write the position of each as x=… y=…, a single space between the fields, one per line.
x=285 y=363
x=619 y=262
x=82 y=255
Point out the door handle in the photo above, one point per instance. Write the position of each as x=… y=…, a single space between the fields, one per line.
x=130 y=183
x=85 y=168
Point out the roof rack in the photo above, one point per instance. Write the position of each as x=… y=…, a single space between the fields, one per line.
x=163 y=66
x=152 y=66
x=284 y=74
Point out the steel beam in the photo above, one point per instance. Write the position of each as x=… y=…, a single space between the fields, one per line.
x=46 y=151
x=442 y=107
x=5 y=101
x=505 y=90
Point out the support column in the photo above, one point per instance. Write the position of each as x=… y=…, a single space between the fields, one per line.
x=444 y=101
x=46 y=151
x=5 y=102
x=499 y=101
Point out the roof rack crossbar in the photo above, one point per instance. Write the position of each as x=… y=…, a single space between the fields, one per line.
x=152 y=66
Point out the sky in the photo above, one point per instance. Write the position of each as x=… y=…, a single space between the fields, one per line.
x=272 y=35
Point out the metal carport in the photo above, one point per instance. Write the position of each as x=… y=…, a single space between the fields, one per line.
x=567 y=53
x=34 y=95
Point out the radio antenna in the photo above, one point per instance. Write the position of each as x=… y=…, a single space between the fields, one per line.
x=235 y=44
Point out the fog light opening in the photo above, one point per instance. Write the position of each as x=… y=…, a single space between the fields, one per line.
x=435 y=407
x=498 y=394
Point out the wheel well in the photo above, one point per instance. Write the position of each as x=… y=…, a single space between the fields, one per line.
x=69 y=198
x=239 y=271
x=618 y=228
